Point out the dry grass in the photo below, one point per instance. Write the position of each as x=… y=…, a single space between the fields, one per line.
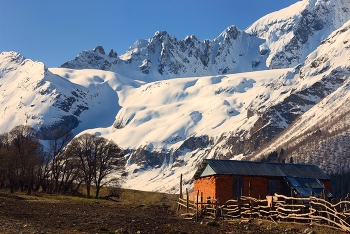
x=134 y=202
x=127 y=197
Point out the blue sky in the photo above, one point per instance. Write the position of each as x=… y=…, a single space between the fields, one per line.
x=54 y=32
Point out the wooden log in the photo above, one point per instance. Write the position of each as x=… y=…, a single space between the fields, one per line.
x=288 y=210
x=188 y=214
x=231 y=206
x=310 y=209
x=185 y=200
x=340 y=225
x=339 y=216
x=184 y=205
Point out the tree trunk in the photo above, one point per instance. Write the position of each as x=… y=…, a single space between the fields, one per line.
x=88 y=188
x=97 y=192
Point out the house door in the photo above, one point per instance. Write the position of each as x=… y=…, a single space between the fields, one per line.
x=238 y=186
x=274 y=187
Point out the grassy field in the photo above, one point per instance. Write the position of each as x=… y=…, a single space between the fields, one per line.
x=126 y=197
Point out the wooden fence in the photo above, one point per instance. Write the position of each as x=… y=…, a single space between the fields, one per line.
x=275 y=208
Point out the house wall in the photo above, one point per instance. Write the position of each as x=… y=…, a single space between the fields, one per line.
x=215 y=187
x=224 y=187
x=259 y=186
x=221 y=187
x=205 y=186
x=327 y=184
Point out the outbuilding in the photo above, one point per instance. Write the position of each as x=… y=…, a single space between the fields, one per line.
x=230 y=179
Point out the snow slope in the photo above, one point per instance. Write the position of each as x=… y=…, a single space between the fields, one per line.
x=159 y=117
x=294 y=32
x=326 y=67
x=51 y=98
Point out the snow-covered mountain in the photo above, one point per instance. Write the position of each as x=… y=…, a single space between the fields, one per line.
x=294 y=32
x=170 y=126
x=31 y=94
x=281 y=83
x=163 y=56
x=321 y=135
x=279 y=40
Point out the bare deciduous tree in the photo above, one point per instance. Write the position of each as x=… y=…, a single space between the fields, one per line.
x=108 y=159
x=97 y=158
x=25 y=155
x=58 y=162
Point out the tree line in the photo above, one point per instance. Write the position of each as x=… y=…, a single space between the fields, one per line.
x=63 y=167
x=340 y=184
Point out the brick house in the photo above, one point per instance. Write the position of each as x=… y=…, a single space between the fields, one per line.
x=229 y=179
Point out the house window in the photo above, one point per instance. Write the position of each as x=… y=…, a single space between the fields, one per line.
x=274 y=187
x=238 y=186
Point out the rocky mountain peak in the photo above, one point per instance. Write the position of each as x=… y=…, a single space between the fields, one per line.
x=232 y=32
x=113 y=54
x=100 y=50
x=13 y=57
x=93 y=59
x=164 y=56
x=160 y=33
x=191 y=38
x=294 y=32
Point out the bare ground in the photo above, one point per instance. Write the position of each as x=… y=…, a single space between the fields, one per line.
x=20 y=214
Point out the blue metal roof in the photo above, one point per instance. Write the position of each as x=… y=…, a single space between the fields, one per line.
x=304 y=186
x=233 y=167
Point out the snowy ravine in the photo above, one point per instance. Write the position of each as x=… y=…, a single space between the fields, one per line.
x=171 y=103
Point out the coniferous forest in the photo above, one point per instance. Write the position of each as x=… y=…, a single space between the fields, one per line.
x=340 y=185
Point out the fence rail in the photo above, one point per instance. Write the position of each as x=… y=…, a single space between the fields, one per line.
x=276 y=208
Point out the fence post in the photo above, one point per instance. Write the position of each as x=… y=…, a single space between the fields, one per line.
x=341 y=207
x=250 y=189
x=239 y=206
x=324 y=194
x=310 y=208
x=187 y=200
x=181 y=186
x=180 y=195
x=251 y=207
